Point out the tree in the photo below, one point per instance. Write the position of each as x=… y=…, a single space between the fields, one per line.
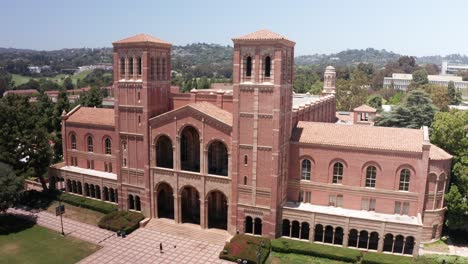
x=24 y=144
x=68 y=83
x=10 y=187
x=6 y=82
x=375 y=101
x=62 y=105
x=457 y=216
x=415 y=112
x=449 y=131
x=420 y=77
x=352 y=93
x=92 y=98
x=45 y=108
x=454 y=96
x=438 y=94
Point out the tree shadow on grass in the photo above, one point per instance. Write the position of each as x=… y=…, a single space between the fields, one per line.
x=14 y=223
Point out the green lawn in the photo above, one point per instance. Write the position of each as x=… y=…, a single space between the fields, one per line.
x=439 y=246
x=277 y=258
x=37 y=244
x=21 y=79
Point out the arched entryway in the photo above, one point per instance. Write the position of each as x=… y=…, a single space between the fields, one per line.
x=190 y=205
x=165 y=201
x=248 y=225
x=190 y=149
x=217 y=210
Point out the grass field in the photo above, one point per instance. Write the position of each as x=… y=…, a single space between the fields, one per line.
x=79 y=214
x=39 y=245
x=438 y=246
x=21 y=79
x=277 y=258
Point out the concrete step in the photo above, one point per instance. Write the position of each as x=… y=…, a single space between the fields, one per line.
x=190 y=231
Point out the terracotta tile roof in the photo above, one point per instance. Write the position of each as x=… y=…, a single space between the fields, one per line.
x=92 y=116
x=364 y=108
x=213 y=111
x=141 y=38
x=369 y=137
x=436 y=153
x=25 y=91
x=346 y=117
x=263 y=34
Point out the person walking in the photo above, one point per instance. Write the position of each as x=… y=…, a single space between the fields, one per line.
x=160 y=247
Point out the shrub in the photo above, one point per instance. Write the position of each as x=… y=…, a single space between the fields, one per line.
x=245 y=247
x=87 y=203
x=437 y=259
x=284 y=245
x=121 y=221
x=380 y=258
x=42 y=200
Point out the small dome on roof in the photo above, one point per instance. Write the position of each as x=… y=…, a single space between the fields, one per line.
x=330 y=68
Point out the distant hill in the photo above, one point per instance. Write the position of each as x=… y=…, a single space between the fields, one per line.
x=197 y=59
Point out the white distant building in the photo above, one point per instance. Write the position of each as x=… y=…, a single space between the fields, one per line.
x=401 y=81
x=104 y=66
x=452 y=68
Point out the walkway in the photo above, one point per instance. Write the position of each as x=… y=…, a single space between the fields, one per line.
x=181 y=243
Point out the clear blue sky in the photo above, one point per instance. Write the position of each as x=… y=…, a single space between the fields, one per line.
x=412 y=27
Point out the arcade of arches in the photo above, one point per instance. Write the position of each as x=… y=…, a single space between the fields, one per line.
x=190 y=146
x=90 y=190
x=362 y=239
x=189 y=202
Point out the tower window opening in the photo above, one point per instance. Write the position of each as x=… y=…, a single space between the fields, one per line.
x=248 y=66
x=139 y=66
x=267 y=66
x=130 y=66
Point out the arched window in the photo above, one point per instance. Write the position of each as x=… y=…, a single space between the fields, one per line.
x=267 y=66
x=131 y=202
x=139 y=66
x=246 y=160
x=108 y=145
x=337 y=172
x=217 y=159
x=122 y=68
x=245 y=180
x=371 y=173
x=89 y=140
x=73 y=141
x=404 y=180
x=248 y=66
x=124 y=145
x=190 y=149
x=305 y=169
x=137 y=203
x=164 y=155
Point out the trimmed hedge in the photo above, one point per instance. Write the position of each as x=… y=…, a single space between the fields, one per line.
x=87 y=203
x=285 y=245
x=379 y=258
x=245 y=247
x=121 y=221
x=42 y=200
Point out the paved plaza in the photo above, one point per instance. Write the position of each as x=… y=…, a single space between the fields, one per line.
x=181 y=243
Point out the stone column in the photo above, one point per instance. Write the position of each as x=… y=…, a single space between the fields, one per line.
x=435 y=194
x=203 y=162
x=229 y=164
x=380 y=244
x=203 y=214
x=177 y=209
x=333 y=238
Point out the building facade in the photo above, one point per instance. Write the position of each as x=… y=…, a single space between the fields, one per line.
x=258 y=159
x=401 y=81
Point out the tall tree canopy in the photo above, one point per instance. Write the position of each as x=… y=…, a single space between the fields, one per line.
x=10 y=187
x=24 y=143
x=416 y=111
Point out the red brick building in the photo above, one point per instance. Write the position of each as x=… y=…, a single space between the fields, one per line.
x=256 y=159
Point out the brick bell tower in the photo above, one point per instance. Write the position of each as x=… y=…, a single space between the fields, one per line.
x=142 y=66
x=263 y=86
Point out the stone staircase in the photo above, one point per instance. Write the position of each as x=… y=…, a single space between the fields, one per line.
x=189 y=231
